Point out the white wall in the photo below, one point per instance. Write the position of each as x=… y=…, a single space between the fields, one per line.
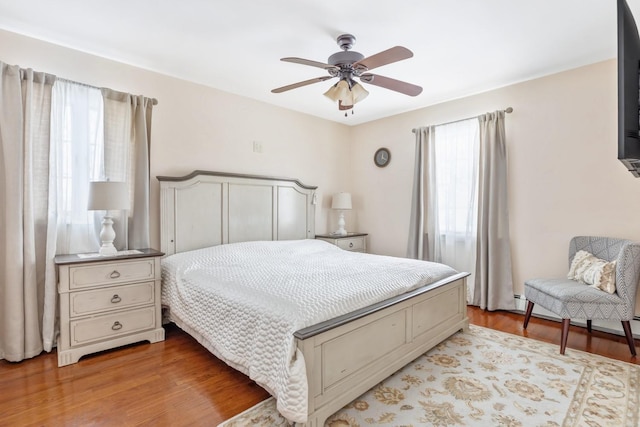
x=564 y=176
x=563 y=173
x=196 y=127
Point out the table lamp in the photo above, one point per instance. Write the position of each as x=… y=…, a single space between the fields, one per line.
x=108 y=196
x=341 y=202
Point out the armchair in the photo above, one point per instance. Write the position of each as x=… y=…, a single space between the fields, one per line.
x=571 y=299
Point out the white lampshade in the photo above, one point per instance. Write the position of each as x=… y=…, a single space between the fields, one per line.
x=338 y=91
x=108 y=195
x=359 y=93
x=341 y=201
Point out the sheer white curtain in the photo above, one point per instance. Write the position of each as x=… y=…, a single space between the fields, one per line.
x=25 y=101
x=77 y=157
x=452 y=196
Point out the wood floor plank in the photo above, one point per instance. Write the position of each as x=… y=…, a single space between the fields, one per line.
x=177 y=382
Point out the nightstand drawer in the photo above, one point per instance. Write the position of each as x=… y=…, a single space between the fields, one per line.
x=351 y=244
x=108 y=273
x=111 y=325
x=104 y=299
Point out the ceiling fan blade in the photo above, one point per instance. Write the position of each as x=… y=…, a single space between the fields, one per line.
x=300 y=84
x=394 y=54
x=392 y=84
x=308 y=62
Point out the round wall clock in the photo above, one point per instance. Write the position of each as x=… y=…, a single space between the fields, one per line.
x=382 y=157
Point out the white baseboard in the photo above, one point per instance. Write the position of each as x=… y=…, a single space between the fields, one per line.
x=612 y=327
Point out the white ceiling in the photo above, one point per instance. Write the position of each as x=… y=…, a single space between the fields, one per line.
x=460 y=47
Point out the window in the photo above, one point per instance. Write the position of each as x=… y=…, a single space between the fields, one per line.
x=456 y=171
x=459 y=212
x=76 y=158
x=452 y=163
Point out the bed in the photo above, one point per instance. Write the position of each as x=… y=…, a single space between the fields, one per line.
x=210 y=220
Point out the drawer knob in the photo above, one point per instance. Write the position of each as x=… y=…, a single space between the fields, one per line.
x=114 y=274
x=116 y=299
x=116 y=326
x=350 y=244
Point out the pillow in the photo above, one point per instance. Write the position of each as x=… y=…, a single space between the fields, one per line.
x=578 y=264
x=598 y=273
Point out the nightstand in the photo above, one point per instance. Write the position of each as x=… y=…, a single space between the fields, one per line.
x=354 y=242
x=107 y=302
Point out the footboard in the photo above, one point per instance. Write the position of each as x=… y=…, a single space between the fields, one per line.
x=349 y=355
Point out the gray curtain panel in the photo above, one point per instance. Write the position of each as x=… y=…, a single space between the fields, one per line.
x=493 y=283
x=25 y=106
x=416 y=247
x=128 y=122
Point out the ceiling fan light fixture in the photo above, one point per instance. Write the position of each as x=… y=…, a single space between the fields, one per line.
x=346 y=93
x=338 y=91
x=359 y=93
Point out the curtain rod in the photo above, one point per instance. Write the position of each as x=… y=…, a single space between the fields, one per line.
x=507 y=110
x=155 y=101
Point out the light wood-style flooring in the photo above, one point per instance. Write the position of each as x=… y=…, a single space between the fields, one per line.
x=179 y=383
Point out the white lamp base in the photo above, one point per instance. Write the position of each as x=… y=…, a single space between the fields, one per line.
x=107 y=236
x=341 y=231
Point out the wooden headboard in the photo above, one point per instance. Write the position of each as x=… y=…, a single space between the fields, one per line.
x=212 y=208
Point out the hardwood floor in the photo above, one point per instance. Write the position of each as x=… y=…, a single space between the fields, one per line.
x=179 y=383
x=601 y=343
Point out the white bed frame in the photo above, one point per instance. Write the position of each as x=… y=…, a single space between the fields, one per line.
x=345 y=356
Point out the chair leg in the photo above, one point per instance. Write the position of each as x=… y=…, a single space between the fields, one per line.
x=527 y=315
x=589 y=325
x=565 y=334
x=627 y=333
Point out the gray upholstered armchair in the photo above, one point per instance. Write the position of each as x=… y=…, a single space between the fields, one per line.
x=571 y=299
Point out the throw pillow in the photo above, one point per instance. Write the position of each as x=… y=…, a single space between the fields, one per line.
x=598 y=273
x=578 y=264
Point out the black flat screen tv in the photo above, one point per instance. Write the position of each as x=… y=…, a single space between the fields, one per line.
x=628 y=90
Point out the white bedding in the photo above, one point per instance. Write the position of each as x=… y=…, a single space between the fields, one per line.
x=244 y=301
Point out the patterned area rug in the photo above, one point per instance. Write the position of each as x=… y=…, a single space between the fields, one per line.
x=484 y=377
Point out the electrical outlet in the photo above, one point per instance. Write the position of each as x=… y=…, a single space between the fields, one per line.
x=257 y=147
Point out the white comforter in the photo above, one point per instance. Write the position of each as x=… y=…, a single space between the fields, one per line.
x=244 y=301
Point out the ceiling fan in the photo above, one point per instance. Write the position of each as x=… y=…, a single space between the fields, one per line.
x=347 y=65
